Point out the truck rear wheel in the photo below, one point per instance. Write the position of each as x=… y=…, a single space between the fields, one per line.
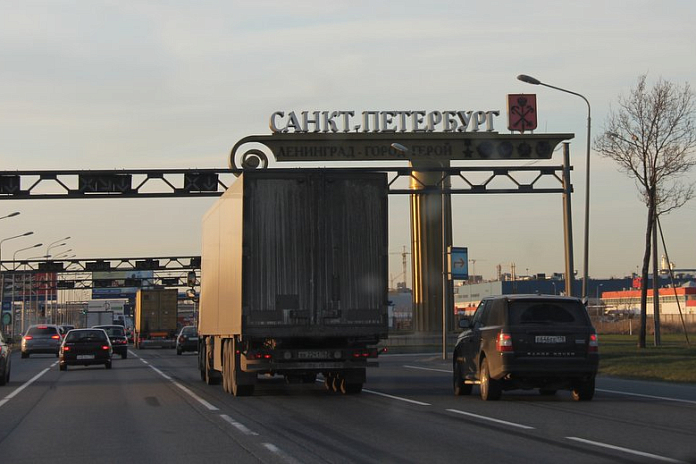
x=350 y=388
x=233 y=372
x=201 y=360
x=211 y=377
x=226 y=368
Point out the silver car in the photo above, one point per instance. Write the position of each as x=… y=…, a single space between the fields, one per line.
x=41 y=338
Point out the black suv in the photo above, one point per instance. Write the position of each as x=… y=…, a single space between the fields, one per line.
x=524 y=342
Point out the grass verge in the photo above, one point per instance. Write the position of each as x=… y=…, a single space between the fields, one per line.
x=672 y=361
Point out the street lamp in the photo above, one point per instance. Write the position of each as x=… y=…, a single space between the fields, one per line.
x=13 y=237
x=55 y=245
x=598 y=286
x=14 y=268
x=533 y=81
x=2 y=278
x=48 y=254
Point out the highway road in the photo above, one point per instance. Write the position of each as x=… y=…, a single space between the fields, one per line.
x=153 y=407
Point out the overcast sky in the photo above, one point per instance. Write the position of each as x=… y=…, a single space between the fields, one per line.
x=146 y=84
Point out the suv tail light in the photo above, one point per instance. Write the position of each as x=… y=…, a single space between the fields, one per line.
x=28 y=337
x=503 y=344
x=593 y=344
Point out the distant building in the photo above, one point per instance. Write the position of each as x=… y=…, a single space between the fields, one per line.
x=671 y=300
x=620 y=297
x=468 y=296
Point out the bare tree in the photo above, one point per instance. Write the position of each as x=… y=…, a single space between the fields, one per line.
x=651 y=135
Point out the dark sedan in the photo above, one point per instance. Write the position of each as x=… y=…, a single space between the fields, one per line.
x=187 y=340
x=5 y=359
x=118 y=338
x=84 y=347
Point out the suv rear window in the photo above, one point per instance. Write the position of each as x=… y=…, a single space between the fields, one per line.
x=189 y=330
x=34 y=331
x=542 y=312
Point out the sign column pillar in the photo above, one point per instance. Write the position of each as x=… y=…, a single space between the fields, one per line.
x=427 y=246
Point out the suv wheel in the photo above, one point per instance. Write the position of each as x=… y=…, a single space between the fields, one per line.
x=490 y=388
x=460 y=388
x=584 y=391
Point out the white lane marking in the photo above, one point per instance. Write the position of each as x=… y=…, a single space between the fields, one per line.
x=161 y=373
x=207 y=405
x=498 y=421
x=241 y=427
x=647 y=396
x=26 y=384
x=420 y=403
x=665 y=398
x=278 y=452
x=389 y=396
x=625 y=450
x=429 y=369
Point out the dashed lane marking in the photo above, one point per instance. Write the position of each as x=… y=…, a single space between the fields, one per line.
x=626 y=450
x=497 y=421
x=241 y=427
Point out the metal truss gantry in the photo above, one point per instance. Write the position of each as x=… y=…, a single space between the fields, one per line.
x=164 y=183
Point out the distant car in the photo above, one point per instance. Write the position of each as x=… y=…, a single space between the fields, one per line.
x=41 y=338
x=187 y=340
x=85 y=347
x=64 y=329
x=5 y=359
x=117 y=336
x=524 y=342
x=127 y=324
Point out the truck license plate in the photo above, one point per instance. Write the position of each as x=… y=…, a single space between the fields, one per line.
x=312 y=354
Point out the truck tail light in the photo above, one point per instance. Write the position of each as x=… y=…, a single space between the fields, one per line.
x=503 y=344
x=366 y=353
x=593 y=344
x=258 y=355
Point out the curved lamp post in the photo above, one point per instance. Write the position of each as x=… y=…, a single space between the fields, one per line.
x=55 y=244
x=2 y=278
x=533 y=81
x=14 y=267
x=48 y=249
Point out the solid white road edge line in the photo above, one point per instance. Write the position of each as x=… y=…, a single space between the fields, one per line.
x=598 y=389
x=647 y=396
x=26 y=384
x=625 y=450
x=498 y=421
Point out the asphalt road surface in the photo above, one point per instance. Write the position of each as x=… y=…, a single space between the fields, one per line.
x=153 y=407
